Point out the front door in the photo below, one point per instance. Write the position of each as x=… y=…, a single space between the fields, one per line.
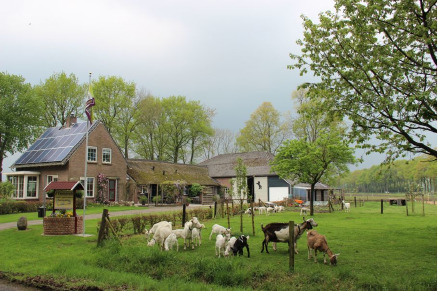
x=112 y=183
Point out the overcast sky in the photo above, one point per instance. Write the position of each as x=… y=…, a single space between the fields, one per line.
x=229 y=55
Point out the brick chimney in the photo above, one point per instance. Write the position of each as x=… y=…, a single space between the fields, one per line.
x=72 y=119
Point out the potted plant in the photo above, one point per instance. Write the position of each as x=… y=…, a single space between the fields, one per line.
x=143 y=200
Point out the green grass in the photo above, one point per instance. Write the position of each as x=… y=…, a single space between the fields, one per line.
x=91 y=209
x=377 y=251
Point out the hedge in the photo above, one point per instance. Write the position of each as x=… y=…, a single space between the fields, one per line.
x=128 y=225
x=12 y=206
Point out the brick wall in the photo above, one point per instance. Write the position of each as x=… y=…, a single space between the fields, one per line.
x=62 y=225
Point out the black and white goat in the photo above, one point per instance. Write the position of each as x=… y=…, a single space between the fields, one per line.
x=279 y=232
x=239 y=244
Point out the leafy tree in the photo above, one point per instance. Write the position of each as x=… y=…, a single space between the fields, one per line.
x=62 y=96
x=309 y=162
x=377 y=60
x=20 y=113
x=240 y=185
x=150 y=139
x=115 y=107
x=263 y=131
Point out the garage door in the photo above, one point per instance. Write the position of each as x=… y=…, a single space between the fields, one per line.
x=278 y=193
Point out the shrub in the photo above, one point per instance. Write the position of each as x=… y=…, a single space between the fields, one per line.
x=6 y=189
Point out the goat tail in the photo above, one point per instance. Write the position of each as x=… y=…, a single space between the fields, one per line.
x=262 y=227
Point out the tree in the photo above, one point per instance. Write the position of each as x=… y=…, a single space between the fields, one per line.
x=263 y=131
x=20 y=113
x=240 y=185
x=309 y=162
x=62 y=96
x=149 y=139
x=115 y=106
x=221 y=142
x=377 y=61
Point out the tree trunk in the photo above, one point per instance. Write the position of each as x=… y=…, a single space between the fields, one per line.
x=312 y=198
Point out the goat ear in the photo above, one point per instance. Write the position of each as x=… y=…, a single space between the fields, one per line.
x=337 y=255
x=247 y=237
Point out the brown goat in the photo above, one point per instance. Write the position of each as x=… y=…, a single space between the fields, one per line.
x=317 y=242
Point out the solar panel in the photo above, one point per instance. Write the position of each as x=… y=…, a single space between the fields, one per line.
x=54 y=145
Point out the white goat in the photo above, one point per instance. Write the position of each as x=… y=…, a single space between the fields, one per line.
x=218 y=229
x=187 y=234
x=220 y=245
x=156 y=226
x=160 y=235
x=304 y=210
x=269 y=210
x=317 y=242
x=170 y=241
x=196 y=234
x=278 y=208
x=262 y=209
x=346 y=206
x=229 y=246
x=178 y=232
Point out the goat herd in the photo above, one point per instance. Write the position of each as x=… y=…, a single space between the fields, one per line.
x=167 y=238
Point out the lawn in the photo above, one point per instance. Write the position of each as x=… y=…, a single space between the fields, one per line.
x=91 y=209
x=377 y=251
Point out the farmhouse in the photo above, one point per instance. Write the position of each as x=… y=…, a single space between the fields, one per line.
x=149 y=177
x=262 y=183
x=59 y=154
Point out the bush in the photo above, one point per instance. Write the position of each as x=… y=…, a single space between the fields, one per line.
x=6 y=189
x=9 y=207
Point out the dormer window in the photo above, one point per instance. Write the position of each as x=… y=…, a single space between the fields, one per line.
x=92 y=154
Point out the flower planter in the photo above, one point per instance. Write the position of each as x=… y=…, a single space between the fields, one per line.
x=62 y=225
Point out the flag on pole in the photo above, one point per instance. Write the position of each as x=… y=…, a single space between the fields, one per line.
x=88 y=110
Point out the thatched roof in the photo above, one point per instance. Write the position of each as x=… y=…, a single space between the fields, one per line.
x=146 y=172
x=257 y=164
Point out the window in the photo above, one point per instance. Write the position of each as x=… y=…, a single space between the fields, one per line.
x=92 y=154
x=106 y=156
x=51 y=178
x=31 y=186
x=90 y=186
x=26 y=186
x=18 y=182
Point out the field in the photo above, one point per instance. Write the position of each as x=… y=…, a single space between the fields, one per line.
x=377 y=251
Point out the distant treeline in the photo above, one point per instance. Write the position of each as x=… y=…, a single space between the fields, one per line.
x=417 y=175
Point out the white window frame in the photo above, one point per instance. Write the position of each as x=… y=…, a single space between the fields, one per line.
x=88 y=154
x=106 y=151
x=24 y=177
x=93 y=190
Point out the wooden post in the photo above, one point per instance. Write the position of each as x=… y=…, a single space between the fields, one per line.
x=215 y=209
x=381 y=206
x=355 y=205
x=412 y=200
x=407 y=202
x=228 y=215
x=252 y=218
x=184 y=215
x=103 y=227
x=232 y=206
x=291 y=246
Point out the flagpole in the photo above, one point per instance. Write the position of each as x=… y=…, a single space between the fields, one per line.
x=86 y=162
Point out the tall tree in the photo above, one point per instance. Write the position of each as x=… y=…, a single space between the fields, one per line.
x=62 y=95
x=309 y=162
x=149 y=143
x=20 y=112
x=223 y=141
x=263 y=131
x=377 y=59
x=115 y=106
